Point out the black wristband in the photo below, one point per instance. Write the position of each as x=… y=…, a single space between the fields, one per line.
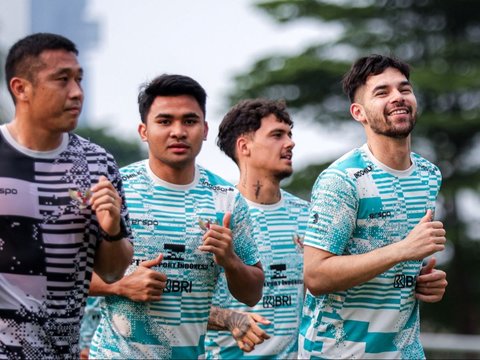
x=122 y=234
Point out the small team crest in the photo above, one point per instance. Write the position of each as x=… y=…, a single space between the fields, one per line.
x=80 y=197
x=298 y=241
x=205 y=225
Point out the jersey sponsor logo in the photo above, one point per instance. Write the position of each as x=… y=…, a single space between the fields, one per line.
x=175 y=286
x=174 y=252
x=278 y=271
x=316 y=217
x=175 y=265
x=283 y=283
x=220 y=188
x=138 y=261
x=426 y=168
x=278 y=277
x=402 y=281
x=380 y=215
x=273 y=301
x=362 y=172
x=145 y=222
x=8 y=191
x=129 y=176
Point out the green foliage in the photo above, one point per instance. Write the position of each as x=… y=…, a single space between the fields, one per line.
x=296 y=185
x=125 y=152
x=440 y=39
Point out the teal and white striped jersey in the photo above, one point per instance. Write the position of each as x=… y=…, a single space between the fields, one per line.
x=278 y=230
x=358 y=205
x=171 y=219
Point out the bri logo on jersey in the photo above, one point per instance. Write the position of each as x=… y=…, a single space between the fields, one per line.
x=272 y=301
x=402 y=281
x=176 y=286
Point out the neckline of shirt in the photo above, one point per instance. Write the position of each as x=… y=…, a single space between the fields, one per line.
x=49 y=154
x=397 y=173
x=169 y=185
x=275 y=206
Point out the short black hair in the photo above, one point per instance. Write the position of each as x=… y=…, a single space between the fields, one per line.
x=23 y=57
x=246 y=117
x=370 y=65
x=169 y=85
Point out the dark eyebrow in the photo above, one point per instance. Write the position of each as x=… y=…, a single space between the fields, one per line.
x=379 y=87
x=68 y=70
x=171 y=116
x=383 y=87
x=190 y=115
x=164 y=115
x=283 y=131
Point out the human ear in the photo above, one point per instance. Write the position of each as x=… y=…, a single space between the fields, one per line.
x=20 y=88
x=358 y=112
x=142 y=131
x=205 y=131
x=243 y=148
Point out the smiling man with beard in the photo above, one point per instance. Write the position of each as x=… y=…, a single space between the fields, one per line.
x=370 y=226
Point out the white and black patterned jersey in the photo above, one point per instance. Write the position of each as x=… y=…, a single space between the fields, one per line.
x=48 y=237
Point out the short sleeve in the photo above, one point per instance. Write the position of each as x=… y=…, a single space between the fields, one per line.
x=333 y=212
x=116 y=180
x=244 y=244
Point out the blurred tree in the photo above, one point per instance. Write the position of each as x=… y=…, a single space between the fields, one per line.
x=124 y=151
x=440 y=39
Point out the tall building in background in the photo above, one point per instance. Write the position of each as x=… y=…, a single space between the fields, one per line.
x=66 y=17
x=13 y=26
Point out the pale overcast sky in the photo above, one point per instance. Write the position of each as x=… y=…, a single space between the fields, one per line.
x=209 y=40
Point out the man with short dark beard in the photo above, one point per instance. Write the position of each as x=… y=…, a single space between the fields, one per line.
x=370 y=226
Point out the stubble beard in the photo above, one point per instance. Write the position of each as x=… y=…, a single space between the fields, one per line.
x=383 y=126
x=283 y=174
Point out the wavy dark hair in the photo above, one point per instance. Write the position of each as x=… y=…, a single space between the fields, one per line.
x=246 y=117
